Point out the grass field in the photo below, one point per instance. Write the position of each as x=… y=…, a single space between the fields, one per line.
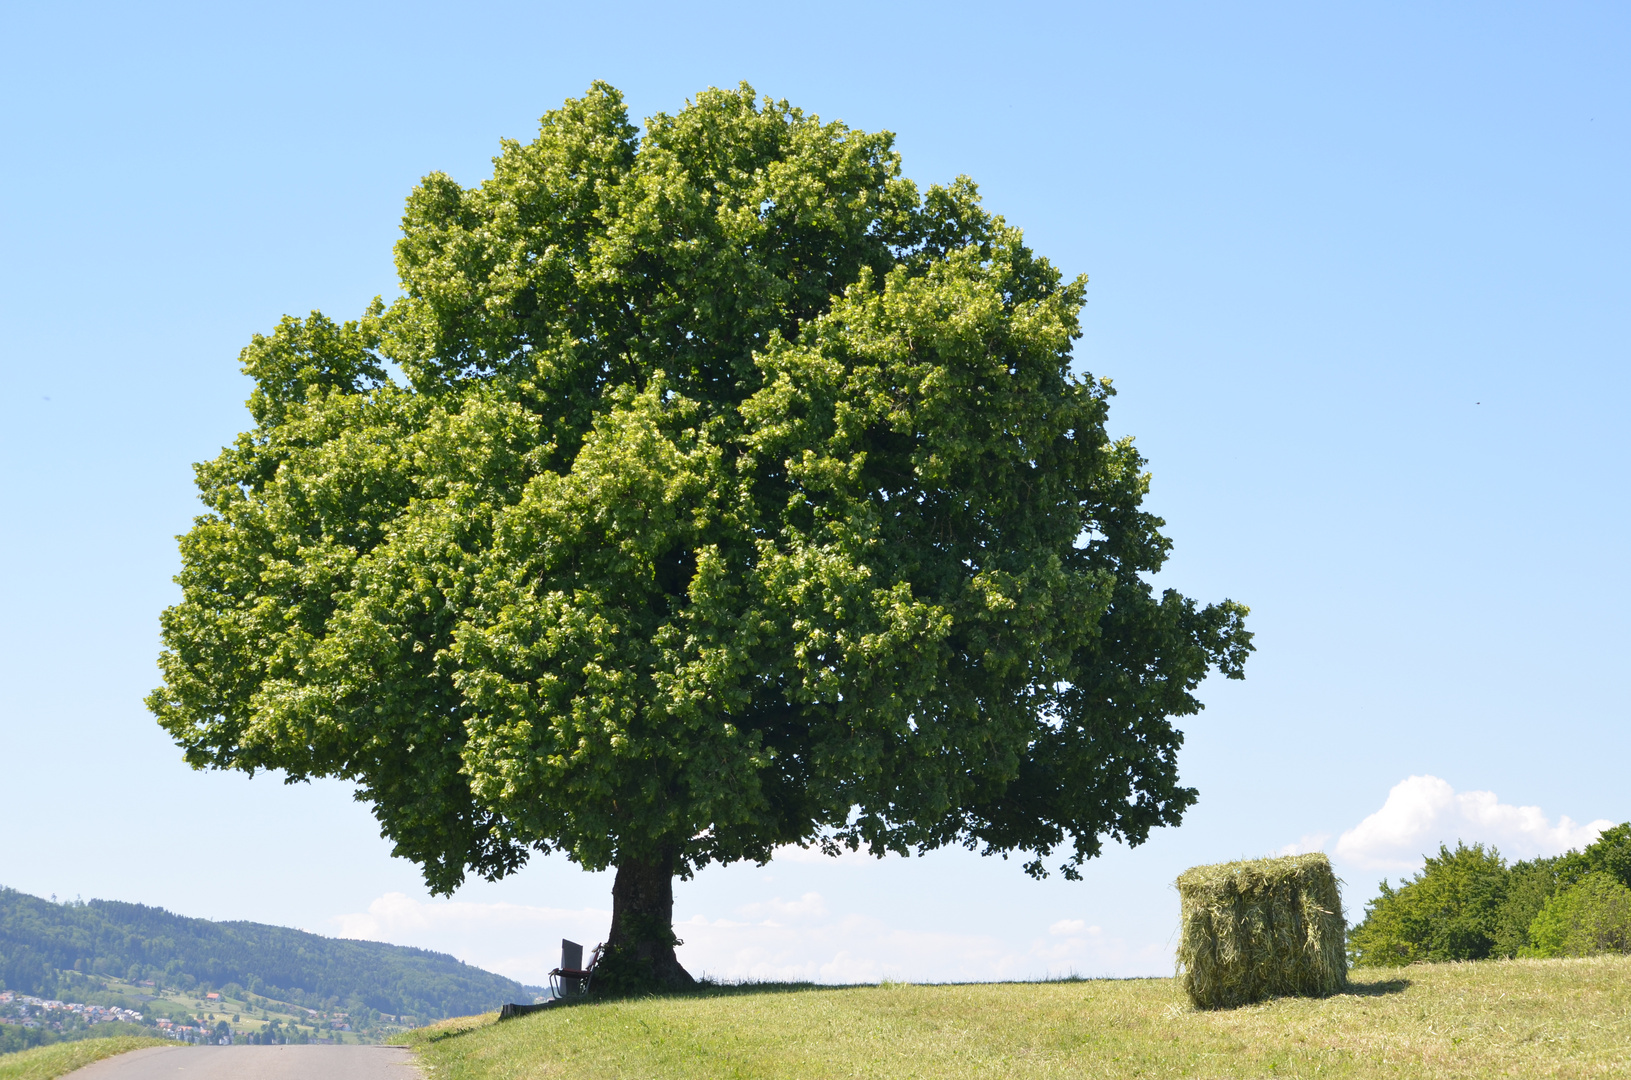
x=1523 y=1018
x=45 y=1062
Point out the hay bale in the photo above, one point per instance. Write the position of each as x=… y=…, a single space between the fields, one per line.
x=1261 y=928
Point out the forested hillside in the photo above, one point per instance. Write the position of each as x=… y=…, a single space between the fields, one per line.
x=41 y=942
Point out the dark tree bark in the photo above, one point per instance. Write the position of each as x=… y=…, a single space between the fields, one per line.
x=642 y=936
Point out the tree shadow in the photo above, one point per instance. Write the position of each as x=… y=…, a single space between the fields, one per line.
x=702 y=989
x=708 y=988
x=734 y=989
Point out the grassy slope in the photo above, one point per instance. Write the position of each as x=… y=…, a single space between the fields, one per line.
x=45 y=1062
x=1528 y=1018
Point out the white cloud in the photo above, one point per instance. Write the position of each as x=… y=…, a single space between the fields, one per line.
x=517 y=940
x=1422 y=812
x=775 y=939
x=792 y=853
x=802 y=939
x=1306 y=843
x=779 y=912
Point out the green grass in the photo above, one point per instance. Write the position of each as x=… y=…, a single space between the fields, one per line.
x=1522 y=1018
x=45 y=1062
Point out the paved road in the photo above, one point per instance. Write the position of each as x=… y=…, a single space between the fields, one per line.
x=256 y=1063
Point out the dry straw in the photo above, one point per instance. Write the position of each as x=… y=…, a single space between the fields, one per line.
x=1261 y=928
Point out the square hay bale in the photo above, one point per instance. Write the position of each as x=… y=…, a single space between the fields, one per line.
x=1261 y=928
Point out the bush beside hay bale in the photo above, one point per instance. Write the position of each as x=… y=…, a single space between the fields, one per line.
x=1261 y=928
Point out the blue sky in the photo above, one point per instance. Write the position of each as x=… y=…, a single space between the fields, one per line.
x=1358 y=271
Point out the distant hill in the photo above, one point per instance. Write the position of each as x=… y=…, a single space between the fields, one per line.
x=41 y=941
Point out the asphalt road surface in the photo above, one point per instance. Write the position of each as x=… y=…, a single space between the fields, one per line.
x=256 y=1063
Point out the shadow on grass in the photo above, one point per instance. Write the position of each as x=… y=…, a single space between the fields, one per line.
x=731 y=989
x=1377 y=989
x=707 y=988
x=703 y=989
x=477 y=1023
x=443 y=1036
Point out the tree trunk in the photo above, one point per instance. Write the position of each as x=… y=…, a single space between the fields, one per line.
x=643 y=920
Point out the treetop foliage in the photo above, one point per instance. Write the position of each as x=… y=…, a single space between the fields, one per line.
x=1446 y=912
x=709 y=488
x=1609 y=854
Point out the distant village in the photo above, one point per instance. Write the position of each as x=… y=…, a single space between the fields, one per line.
x=32 y=1012
x=22 y=1010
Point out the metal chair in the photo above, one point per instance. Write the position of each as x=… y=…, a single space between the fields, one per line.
x=572 y=979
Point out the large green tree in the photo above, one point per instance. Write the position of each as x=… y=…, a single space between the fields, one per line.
x=708 y=489
x=1451 y=910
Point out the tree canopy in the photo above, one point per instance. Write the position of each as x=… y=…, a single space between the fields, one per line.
x=1468 y=904
x=709 y=488
x=1451 y=910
